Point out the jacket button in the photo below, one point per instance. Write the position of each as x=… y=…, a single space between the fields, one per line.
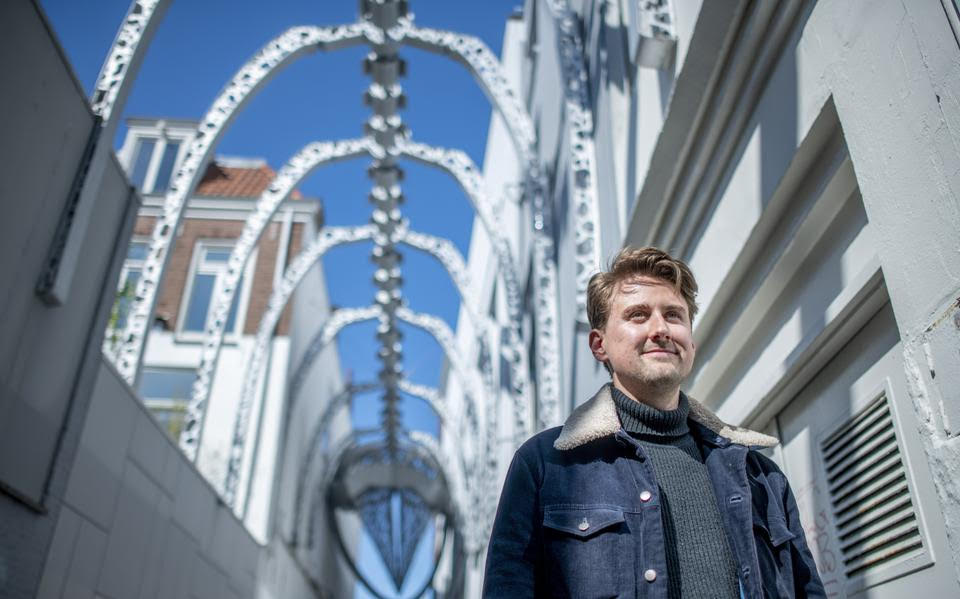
x=584 y=525
x=650 y=575
x=645 y=497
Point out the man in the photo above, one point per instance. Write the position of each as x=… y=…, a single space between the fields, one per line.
x=643 y=492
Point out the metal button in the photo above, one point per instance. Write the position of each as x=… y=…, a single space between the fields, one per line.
x=584 y=525
x=650 y=575
x=645 y=496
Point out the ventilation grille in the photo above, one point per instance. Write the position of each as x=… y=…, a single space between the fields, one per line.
x=872 y=508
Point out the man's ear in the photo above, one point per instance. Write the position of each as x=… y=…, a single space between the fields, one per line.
x=596 y=345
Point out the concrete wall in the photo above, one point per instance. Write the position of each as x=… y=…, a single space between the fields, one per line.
x=49 y=354
x=95 y=499
x=138 y=519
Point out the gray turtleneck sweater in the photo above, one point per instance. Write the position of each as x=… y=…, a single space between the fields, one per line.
x=699 y=560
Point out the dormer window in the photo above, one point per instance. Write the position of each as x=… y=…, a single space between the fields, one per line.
x=152 y=162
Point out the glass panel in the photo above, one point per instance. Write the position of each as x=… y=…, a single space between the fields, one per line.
x=166 y=383
x=141 y=161
x=199 y=302
x=125 y=297
x=171 y=418
x=217 y=254
x=138 y=250
x=166 y=167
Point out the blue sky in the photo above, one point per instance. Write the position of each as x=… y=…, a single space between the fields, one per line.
x=198 y=47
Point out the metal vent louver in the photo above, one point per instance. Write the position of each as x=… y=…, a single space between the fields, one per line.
x=872 y=508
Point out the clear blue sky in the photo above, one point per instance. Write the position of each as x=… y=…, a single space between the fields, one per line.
x=198 y=47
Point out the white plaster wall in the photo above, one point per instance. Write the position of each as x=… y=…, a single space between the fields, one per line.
x=806 y=165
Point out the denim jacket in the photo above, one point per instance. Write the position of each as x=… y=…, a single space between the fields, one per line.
x=579 y=515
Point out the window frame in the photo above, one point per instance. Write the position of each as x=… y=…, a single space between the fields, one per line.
x=127 y=265
x=199 y=248
x=167 y=404
x=161 y=139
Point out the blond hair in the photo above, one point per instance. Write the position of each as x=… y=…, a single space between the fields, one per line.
x=631 y=262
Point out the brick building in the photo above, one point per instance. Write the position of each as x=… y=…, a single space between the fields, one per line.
x=214 y=219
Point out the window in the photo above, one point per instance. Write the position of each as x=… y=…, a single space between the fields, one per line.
x=165 y=171
x=166 y=392
x=142 y=156
x=129 y=275
x=152 y=163
x=207 y=276
x=126 y=289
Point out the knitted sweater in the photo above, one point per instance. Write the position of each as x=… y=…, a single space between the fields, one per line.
x=699 y=560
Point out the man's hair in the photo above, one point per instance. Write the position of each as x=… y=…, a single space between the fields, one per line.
x=629 y=263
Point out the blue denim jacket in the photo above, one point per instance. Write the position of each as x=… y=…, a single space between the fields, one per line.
x=574 y=521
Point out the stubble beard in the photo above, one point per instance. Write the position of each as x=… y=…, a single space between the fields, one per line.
x=653 y=380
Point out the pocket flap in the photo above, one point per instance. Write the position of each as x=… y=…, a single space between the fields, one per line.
x=776 y=530
x=581 y=522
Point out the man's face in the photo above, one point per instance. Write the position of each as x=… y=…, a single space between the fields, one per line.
x=647 y=340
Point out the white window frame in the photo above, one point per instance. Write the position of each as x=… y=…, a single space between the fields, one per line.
x=230 y=336
x=130 y=263
x=161 y=139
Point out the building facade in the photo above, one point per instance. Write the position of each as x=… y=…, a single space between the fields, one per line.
x=225 y=197
x=801 y=157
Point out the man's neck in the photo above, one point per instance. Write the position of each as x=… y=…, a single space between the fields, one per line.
x=660 y=399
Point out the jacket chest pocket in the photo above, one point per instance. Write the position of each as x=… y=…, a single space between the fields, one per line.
x=587 y=551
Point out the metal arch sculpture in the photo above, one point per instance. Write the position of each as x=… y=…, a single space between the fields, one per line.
x=338 y=402
x=312 y=156
x=445 y=337
x=327 y=238
x=431 y=324
x=472 y=53
x=293 y=172
x=338 y=320
x=275 y=55
x=582 y=172
x=483 y=64
x=472 y=534
x=463 y=170
x=126 y=53
x=449 y=257
x=422 y=441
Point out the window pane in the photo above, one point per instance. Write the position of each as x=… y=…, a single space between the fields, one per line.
x=166 y=167
x=166 y=383
x=199 y=302
x=141 y=161
x=217 y=254
x=171 y=417
x=138 y=250
x=125 y=297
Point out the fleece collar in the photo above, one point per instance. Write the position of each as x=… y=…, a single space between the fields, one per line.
x=598 y=418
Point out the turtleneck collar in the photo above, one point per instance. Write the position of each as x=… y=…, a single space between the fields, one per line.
x=639 y=418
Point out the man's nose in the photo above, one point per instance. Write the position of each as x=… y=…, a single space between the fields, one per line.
x=658 y=325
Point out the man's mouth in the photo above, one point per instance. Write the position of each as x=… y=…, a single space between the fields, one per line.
x=662 y=351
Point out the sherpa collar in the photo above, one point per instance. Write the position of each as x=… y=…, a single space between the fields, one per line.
x=598 y=418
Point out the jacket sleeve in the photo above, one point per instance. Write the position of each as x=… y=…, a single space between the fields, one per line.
x=806 y=579
x=513 y=554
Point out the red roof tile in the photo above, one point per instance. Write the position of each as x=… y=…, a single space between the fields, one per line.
x=237 y=182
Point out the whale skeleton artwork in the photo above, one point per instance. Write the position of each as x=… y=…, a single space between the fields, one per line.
x=472 y=469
